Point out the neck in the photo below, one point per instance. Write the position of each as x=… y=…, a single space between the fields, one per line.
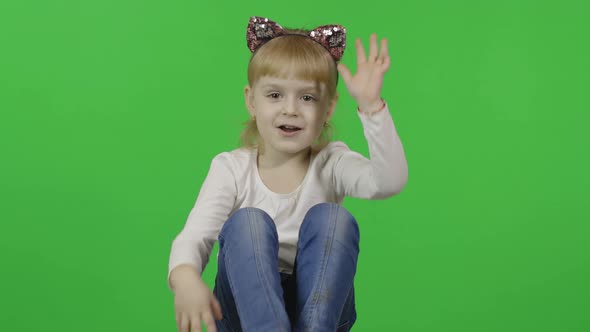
x=278 y=159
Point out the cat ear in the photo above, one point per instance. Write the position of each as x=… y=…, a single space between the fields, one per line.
x=332 y=37
x=260 y=30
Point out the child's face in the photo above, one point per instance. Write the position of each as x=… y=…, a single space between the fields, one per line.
x=276 y=102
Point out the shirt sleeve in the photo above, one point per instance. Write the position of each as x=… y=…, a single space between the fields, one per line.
x=216 y=199
x=385 y=173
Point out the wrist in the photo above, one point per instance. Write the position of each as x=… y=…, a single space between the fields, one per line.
x=372 y=107
x=184 y=274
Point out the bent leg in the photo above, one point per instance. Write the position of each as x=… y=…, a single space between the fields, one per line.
x=248 y=280
x=326 y=263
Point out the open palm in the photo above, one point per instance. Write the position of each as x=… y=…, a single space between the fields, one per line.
x=365 y=86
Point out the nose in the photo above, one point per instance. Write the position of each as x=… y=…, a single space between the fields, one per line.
x=290 y=107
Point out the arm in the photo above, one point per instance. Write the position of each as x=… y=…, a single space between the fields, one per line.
x=215 y=201
x=385 y=173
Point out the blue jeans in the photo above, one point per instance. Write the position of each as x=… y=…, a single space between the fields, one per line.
x=318 y=296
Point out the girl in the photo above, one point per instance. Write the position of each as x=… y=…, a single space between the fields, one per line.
x=287 y=249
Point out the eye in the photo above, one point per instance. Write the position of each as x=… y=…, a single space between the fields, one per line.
x=273 y=94
x=308 y=98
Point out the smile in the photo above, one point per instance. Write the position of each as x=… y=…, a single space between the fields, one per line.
x=288 y=130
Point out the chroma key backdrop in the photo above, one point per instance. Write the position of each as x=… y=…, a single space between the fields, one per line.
x=111 y=111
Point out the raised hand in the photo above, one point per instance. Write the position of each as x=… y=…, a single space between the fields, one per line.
x=365 y=86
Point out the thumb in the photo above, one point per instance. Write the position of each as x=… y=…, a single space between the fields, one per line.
x=345 y=72
x=216 y=308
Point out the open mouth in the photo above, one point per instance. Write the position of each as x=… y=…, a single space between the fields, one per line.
x=289 y=129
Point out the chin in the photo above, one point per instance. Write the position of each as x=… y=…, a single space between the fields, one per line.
x=291 y=148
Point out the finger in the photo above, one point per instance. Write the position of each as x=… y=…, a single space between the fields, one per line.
x=217 y=309
x=195 y=323
x=345 y=73
x=384 y=52
x=373 y=47
x=209 y=322
x=386 y=63
x=184 y=324
x=360 y=52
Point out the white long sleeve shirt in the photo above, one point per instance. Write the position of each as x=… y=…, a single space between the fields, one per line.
x=233 y=182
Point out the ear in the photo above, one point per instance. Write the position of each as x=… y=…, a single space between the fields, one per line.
x=249 y=99
x=332 y=107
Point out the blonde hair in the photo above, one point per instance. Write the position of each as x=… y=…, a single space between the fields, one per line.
x=292 y=56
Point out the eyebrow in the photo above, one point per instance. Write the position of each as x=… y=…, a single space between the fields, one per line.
x=275 y=86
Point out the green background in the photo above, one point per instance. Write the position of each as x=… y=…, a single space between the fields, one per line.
x=111 y=111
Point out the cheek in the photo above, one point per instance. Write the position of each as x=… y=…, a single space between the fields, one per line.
x=316 y=128
x=318 y=121
x=264 y=123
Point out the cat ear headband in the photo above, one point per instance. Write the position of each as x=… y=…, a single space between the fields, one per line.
x=261 y=30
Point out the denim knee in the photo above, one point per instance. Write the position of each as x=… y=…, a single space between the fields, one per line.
x=242 y=220
x=346 y=227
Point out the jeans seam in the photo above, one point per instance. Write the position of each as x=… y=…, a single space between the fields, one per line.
x=347 y=245
x=258 y=263
x=325 y=259
x=231 y=286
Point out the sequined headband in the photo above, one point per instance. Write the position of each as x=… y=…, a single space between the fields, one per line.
x=261 y=30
